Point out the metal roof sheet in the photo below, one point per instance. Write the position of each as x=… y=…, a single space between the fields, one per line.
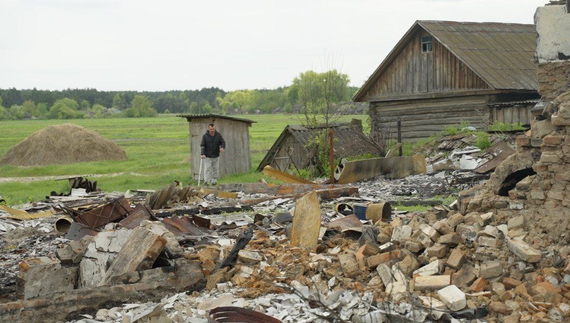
x=501 y=54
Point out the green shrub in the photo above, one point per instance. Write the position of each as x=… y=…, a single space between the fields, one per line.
x=501 y=126
x=450 y=130
x=483 y=141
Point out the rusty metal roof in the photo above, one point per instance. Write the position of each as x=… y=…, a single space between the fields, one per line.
x=501 y=54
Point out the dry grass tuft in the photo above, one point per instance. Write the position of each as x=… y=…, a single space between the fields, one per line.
x=62 y=144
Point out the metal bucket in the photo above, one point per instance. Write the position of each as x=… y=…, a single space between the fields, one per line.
x=379 y=211
x=360 y=210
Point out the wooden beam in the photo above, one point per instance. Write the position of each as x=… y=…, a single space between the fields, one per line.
x=282 y=176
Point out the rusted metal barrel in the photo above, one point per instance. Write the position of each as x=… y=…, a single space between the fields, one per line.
x=344 y=209
x=379 y=211
x=62 y=224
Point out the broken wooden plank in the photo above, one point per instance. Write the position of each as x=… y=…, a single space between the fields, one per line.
x=331 y=193
x=218 y=193
x=282 y=176
x=395 y=167
x=275 y=189
x=306 y=222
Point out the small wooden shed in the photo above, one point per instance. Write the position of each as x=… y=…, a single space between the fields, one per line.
x=293 y=147
x=236 y=158
x=444 y=72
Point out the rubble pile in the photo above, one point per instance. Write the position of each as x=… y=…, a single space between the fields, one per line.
x=183 y=254
x=439 y=265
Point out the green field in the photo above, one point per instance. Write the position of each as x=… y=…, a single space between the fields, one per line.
x=157 y=150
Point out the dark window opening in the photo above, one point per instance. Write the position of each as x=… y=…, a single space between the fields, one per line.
x=427 y=44
x=511 y=181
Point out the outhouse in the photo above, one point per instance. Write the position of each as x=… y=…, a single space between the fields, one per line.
x=237 y=157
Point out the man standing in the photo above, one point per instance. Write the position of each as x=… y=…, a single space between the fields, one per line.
x=212 y=144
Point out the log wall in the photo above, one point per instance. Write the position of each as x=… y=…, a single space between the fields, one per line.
x=428 y=117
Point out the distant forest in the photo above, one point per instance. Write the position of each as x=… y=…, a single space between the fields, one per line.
x=89 y=103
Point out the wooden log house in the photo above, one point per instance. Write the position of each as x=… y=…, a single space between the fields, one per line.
x=444 y=73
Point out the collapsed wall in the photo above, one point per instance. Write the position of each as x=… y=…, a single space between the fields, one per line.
x=535 y=181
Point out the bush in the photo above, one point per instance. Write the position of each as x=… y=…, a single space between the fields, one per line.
x=483 y=141
x=501 y=126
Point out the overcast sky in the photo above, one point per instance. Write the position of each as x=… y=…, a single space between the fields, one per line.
x=141 y=45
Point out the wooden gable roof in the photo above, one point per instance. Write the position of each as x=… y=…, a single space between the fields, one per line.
x=213 y=117
x=500 y=54
x=349 y=141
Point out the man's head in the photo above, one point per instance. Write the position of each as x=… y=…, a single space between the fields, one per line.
x=211 y=129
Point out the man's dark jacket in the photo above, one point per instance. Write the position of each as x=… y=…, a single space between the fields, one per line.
x=210 y=145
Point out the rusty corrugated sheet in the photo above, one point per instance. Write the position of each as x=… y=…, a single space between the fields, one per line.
x=501 y=54
x=182 y=225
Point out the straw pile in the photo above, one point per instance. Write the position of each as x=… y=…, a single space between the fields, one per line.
x=62 y=144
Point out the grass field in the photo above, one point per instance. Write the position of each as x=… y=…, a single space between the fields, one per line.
x=156 y=148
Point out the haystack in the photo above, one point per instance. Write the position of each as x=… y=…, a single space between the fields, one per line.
x=62 y=144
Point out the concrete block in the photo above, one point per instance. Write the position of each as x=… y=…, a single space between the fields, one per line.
x=385 y=274
x=400 y=233
x=489 y=242
x=442 y=227
x=455 y=219
x=517 y=222
x=349 y=265
x=138 y=253
x=451 y=239
x=486 y=254
x=431 y=269
x=491 y=269
x=369 y=249
x=249 y=257
x=456 y=259
x=424 y=283
x=453 y=297
x=487 y=217
x=431 y=233
x=413 y=246
x=473 y=218
x=524 y=251
x=438 y=250
x=42 y=276
x=408 y=265
x=385 y=257
x=424 y=239
x=490 y=231
x=464 y=276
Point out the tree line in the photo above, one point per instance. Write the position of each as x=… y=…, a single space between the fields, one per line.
x=308 y=93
